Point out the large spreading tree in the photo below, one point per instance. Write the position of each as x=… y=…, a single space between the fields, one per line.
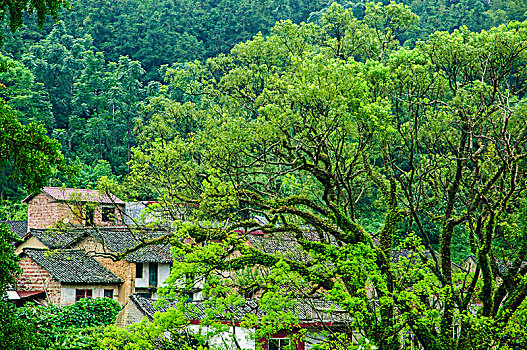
x=350 y=147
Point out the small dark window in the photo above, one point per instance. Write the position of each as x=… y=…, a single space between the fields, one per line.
x=139 y=270
x=190 y=297
x=89 y=216
x=145 y=295
x=108 y=214
x=108 y=293
x=82 y=293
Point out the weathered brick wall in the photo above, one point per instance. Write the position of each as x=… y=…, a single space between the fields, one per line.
x=126 y=271
x=123 y=269
x=34 y=277
x=44 y=211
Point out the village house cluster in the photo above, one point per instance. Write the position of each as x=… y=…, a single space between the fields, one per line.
x=69 y=248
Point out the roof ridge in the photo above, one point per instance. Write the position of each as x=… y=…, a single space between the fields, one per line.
x=86 y=195
x=134 y=298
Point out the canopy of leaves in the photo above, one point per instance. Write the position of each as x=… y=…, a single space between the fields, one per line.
x=310 y=128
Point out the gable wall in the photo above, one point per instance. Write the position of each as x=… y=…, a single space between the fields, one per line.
x=31 y=242
x=34 y=277
x=123 y=269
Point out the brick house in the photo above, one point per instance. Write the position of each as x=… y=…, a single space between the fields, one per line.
x=140 y=272
x=66 y=276
x=75 y=207
x=78 y=220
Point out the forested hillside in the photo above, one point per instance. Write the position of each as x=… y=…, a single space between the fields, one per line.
x=91 y=78
x=367 y=158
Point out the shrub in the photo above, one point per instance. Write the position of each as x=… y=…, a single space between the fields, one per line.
x=88 y=312
x=19 y=334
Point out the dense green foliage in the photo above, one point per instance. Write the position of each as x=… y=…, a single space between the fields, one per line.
x=19 y=334
x=88 y=312
x=75 y=327
x=26 y=152
x=85 y=325
x=90 y=101
x=363 y=123
x=12 y=12
x=297 y=127
x=9 y=268
x=170 y=31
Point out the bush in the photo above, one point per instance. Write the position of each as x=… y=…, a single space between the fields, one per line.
x=79 y=339
x=16 y=333
x=88 y=313
x=76 y=327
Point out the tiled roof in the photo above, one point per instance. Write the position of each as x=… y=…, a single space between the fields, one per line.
x=287 y=247
x=72 y=266
x=307 y=310
x=114 y=239
x=58 y=239
x=18 y=227
x=119 y=240
x=78 y=194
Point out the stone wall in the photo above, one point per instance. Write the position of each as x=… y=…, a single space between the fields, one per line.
x=34 y=277
x=130 y=314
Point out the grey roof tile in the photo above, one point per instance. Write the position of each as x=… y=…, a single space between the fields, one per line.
x=307 y=310
x=115 y=239
x=18 y=227
x=72 y=266
x=287 y=247
x=120 y=240
x=58 y=239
